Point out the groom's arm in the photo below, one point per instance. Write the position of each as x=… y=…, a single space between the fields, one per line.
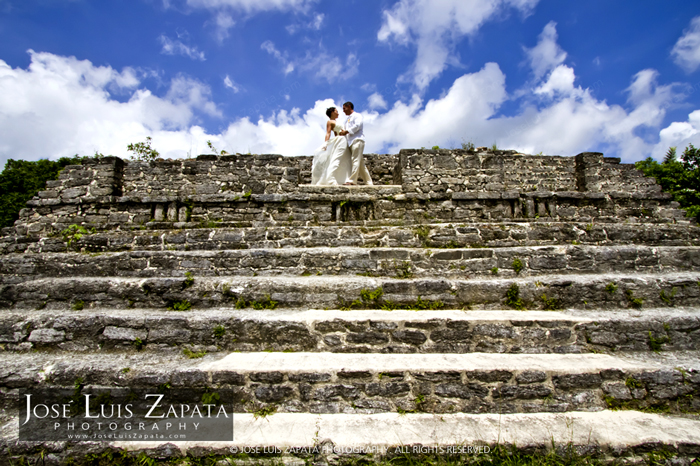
x=355 y=124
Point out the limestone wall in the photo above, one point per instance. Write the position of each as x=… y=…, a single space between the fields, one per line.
x=415 y=186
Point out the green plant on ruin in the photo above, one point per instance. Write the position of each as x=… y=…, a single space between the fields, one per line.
x=436 y=147
x=634 y=302
x=655 y=344
x=138 y=344
x=423 y=232
x=189 y=279
x=668 y=298
x=513 y=297
x=211 y=398
x=247 y=194
x=193 y=355
x=611 y=288
x=210 y=145
x=494 y=271
x=494 y=147
x=74 y=233
x=219 y=331
x=467 y=145
x=78 y=305
x=180 y=306
x=517 y=266
x=265 y=411
x=143 y=151
x=631 y=383
x=265 y=303
x=550 y=304
x=404 y=270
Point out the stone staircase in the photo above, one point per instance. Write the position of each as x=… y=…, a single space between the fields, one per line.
x=450 y=310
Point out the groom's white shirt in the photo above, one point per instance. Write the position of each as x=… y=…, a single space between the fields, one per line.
x=354 y=128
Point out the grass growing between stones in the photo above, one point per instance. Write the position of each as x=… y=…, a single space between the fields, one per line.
x=372 y=299
x=513 y=297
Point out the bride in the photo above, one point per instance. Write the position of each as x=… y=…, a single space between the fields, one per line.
x=332 y=163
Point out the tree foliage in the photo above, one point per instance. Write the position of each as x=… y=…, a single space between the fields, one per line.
x=680 y=178
x=143 y=151
x=21 y=180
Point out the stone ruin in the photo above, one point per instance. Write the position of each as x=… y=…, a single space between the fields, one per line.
x=468 y=298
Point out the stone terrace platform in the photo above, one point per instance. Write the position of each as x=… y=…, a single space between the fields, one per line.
x=468 y=298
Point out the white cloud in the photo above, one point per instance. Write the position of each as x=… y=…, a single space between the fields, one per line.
x=175 y=47
x=434 y=26
x=317 y=21
x=376 y=101
x=547 y=54
x=223 y=22
x=560 y=81
x=319 y=63
x=61 y=106
x=686 y=52
x=253 y=6
x=231 y=85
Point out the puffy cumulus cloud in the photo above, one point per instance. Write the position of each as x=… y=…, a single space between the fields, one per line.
x=287 y=133
x=434 y=26
x=686 y=52
x=376 y=101
x=679 y=134
x=175 y=47
x=547 y=54
x=60 y=106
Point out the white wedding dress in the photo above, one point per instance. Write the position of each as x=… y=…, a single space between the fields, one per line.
x=332 y=165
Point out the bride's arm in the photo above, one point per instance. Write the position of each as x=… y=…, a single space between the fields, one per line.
x=329 y=128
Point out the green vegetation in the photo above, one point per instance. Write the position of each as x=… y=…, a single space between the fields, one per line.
x=138 y=344
x=213 y=149
x=550 y=304
x=21 y=180
x=265 y=411
x=611 y=288
x=467 y=145
x=634 y=302
x=78 y=305
x=143 y=151
x=655 y=344
x=494 y=147
x=192 y=355
x=494 y=271
x=404 y=270
x=436 y=147
x=517 y=266
x=73 y=233
x=211 y=398
x=680 y=178
x=219 y=331
x=372 y=299
x=189 y=279
x=631 y=382
x=513 y=297
x=265 y=303
x=180 y=306
x=668 y=298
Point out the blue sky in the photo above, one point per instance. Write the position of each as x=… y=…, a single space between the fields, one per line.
x=79 y=76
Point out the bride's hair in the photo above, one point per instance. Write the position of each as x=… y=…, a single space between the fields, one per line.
x=329 y=110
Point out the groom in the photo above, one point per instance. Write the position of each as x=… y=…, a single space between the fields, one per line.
x=356 y=144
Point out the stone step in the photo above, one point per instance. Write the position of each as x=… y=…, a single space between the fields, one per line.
x=507 y=262
x=157 y=236
x=372 y=383
x=297 y=438
x=549 y=292
x=366 y=331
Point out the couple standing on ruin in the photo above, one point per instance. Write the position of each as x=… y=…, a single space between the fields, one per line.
x=340 y=161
